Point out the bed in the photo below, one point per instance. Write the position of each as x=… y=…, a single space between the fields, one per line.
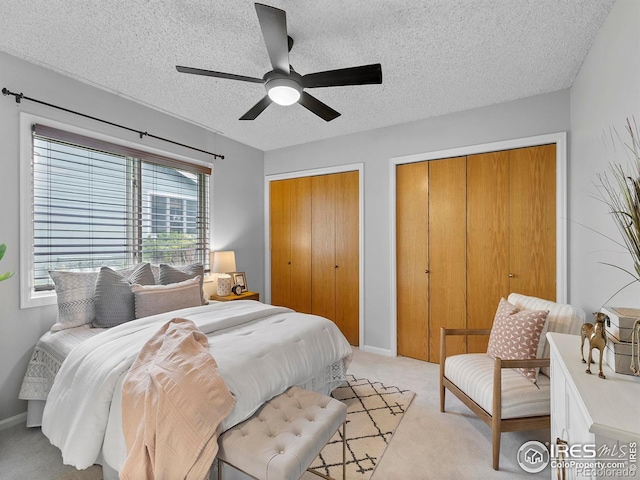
x=261 y=351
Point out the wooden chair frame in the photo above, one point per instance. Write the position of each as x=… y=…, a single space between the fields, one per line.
x=493 y=419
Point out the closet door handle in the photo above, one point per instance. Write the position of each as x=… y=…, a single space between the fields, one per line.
x=426 y=271
x=335 y=266
x=511 y=275
x=288 y=263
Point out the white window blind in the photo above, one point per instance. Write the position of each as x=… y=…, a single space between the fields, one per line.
x=96 y=203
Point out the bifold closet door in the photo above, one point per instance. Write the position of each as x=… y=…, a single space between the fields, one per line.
x=323 y=246
x=482 y=226
x=487 y=240
x=511 y=230
x=347 y=275
x=301 y=245
x=412 y=259
x=335 y=247
x=315 y=247
x=431 y=256
x=532 y=219
x=290 y=230
x=447 y=253
x=280 y=241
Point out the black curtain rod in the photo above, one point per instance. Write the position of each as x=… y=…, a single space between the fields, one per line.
x=19 y=97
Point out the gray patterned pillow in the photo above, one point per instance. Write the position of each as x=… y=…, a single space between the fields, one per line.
x=75 y=298
x=114 y=301
x=172 y=274
x=154 y=299
x=140 y=271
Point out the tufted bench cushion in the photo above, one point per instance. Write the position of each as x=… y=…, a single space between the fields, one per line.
x=280 y=440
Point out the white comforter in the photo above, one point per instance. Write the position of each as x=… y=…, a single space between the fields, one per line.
x=260 y=350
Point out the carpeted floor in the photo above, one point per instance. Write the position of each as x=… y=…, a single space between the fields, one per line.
x=427 y=444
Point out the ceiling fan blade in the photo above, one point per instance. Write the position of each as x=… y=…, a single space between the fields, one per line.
x=314 y=105
x=273 y=23
x=211 y=73
x=362 y=75
x=257 y=109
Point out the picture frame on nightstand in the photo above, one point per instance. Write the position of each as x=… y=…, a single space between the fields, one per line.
x=239 y=278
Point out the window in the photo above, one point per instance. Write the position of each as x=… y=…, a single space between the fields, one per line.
x=172 y=214
x=96 y=203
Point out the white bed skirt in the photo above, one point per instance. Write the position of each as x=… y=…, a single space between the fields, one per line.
x=34 y=412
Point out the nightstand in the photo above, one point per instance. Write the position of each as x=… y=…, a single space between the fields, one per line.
x=232 y=297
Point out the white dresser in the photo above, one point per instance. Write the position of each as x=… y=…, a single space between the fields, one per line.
x=587 y=410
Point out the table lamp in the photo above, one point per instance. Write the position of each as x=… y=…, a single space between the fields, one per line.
x=222 y=263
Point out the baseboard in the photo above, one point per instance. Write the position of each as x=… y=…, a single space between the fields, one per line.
x=11 y=421
x=377 y=350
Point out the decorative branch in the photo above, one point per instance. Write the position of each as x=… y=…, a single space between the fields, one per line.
x=621 y=193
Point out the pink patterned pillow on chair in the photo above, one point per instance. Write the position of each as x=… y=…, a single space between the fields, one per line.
x=515 y=335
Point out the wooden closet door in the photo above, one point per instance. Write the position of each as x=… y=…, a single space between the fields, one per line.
x=487 y=241
x=347 y=275
x=447 y=253
x=532 y=218
x=280 y=241
x=300 y=208
x=412 y=259
x=323 y=246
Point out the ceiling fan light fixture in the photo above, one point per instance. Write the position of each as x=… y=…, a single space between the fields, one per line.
x=284 y=91
x=283 y=84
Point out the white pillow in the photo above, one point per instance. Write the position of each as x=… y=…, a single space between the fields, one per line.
x=75 y=298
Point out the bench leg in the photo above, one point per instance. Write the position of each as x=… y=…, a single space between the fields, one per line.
x=344 y=457
x=344 y=450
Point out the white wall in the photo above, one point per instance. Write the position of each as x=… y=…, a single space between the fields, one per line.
x=605 y=92
x=237 y=195
x=522 y=118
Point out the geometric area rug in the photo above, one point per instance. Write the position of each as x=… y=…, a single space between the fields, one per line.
x=374 y=412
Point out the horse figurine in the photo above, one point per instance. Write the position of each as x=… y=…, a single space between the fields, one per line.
x=597 y=339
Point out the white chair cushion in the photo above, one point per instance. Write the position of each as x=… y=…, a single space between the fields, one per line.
x=562 y=318
x=473 y=374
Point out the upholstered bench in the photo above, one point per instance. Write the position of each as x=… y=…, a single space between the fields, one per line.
x=280 y=440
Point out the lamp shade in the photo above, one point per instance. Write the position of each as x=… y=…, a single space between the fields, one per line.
x=223 y=262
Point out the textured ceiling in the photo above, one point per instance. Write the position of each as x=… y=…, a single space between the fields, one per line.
x=437 y=56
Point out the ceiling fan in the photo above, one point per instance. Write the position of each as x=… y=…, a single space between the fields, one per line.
x=284 y=85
